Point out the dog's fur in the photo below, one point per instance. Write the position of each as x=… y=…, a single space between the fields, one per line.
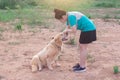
x=47 y=56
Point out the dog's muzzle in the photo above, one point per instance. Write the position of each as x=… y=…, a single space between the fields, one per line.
x=64 y=39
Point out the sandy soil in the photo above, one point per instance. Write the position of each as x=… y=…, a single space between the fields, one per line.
x=17 y=49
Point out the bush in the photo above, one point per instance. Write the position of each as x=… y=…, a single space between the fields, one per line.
x=7 y=3
x=18 y=27
x=13 y=3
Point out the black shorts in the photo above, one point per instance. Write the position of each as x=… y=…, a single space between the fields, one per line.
x=87 y=37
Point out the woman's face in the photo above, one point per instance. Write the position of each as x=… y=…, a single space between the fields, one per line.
x=63 y=19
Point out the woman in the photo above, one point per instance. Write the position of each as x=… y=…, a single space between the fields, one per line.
x=78 y=21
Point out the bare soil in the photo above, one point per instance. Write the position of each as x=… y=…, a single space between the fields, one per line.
x=18 y=47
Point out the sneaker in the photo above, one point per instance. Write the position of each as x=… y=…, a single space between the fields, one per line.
x=76 y=66
x=80 y=69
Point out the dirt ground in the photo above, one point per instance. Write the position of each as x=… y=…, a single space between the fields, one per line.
x=17 y=49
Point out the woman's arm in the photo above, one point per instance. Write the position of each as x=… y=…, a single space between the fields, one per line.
x=71 y=30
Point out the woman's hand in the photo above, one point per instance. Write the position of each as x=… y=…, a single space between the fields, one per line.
x=65 y=32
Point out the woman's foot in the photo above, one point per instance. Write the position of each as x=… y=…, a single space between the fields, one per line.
x=79 y=69
x=76 y=66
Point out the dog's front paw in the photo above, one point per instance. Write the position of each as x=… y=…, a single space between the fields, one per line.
x=50 y=68
x=34 y=71
x=40 y=69
x=58 y=64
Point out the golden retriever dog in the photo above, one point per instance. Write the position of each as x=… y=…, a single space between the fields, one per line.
x=47 y=56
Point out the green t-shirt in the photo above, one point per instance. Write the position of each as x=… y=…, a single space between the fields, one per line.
x=81 y=21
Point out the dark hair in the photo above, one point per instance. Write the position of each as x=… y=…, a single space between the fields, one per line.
x=59 y=13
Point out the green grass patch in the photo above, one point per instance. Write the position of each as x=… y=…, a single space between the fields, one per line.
x=71 y=41
x=107 y=16
x=30 y=16
x=12 y=4
x=116 y=17
x=42 y=14
x=18 y=27
x=68 y=4
x=107 y=3
x=7 y=15
x=1 y=29
x=116 y=69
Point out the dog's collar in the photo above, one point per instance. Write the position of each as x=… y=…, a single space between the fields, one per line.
x=59 y=47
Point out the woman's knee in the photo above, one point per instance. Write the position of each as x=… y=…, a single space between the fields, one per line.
x=83 y=46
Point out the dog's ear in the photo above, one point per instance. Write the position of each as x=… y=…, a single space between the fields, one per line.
x=61 y=33
x=51 y=37
x=58 y=41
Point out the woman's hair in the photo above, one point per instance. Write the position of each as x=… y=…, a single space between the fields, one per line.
x=59 y=13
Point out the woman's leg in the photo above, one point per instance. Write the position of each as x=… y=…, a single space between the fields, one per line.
x=83 y=54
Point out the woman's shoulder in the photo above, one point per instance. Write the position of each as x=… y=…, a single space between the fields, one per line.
x=75 y=12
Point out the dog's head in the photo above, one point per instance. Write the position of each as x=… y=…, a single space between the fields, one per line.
x=65 y=36
x=58 y=38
